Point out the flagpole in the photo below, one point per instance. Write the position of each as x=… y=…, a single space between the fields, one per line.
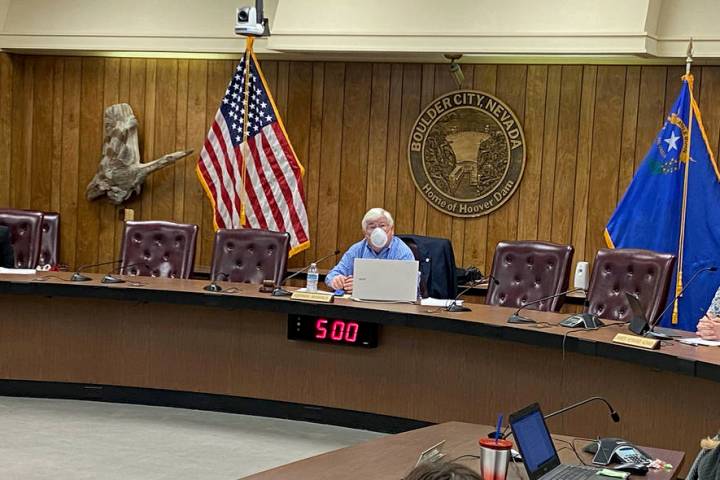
x=683 y=213
x=246 y=103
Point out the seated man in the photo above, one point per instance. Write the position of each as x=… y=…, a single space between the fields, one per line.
x=7 y=256
x=379 y=242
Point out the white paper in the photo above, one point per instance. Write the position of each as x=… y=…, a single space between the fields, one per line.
x=700 y=341
x=437 y=302
x=17 y=271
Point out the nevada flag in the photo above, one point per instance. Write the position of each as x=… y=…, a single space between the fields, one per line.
x=650 y=213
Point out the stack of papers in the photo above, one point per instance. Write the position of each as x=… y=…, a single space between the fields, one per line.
x=700 y=341
x=437 y=302
x=17 y=271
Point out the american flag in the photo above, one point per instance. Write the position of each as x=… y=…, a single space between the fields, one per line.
x=264 y=163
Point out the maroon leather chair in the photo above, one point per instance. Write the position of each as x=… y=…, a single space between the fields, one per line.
x=642 y=272
x=528 y=271
x=50 y=239
x=25 y=231
x=158 y=249
x=249 y=255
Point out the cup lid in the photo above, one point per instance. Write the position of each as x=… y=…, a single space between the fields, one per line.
x=500 y=444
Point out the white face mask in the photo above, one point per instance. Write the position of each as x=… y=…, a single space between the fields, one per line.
x=378 y=238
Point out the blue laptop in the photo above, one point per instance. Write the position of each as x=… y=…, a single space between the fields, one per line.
x=538 y=451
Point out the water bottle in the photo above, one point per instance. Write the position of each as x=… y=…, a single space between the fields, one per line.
x=312 y=278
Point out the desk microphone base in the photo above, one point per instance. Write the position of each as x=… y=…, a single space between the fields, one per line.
x=79 y=277
x=657 y=335
x=213 y=287
x=515 y=318
x=280 y=292
x=662 y=333
x=111 y=279
x=454 y=307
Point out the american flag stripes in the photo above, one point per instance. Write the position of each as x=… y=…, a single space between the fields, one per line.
x=247 y=165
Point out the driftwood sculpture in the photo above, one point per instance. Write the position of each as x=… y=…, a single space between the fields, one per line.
x=120 y=172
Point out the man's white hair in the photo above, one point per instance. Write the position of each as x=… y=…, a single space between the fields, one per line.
x=375 y=213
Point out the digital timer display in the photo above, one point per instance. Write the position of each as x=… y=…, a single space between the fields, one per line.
x=328 y=330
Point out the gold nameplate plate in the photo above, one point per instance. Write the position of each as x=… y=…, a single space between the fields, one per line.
x=324 y=297
x=635 y=341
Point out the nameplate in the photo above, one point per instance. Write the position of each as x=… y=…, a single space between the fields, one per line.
x=324 y=297
x=635 y=341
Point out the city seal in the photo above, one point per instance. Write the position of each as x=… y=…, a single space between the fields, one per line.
x=467 y=153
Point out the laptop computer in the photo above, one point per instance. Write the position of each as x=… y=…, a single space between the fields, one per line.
x=538 y=451
x=385 y=280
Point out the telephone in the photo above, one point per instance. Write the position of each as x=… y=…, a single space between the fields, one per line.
x=582 y=320
x=616 y=450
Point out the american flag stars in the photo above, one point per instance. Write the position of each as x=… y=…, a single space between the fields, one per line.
x=233 y=108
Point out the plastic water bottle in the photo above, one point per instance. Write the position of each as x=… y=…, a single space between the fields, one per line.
x=312 y=278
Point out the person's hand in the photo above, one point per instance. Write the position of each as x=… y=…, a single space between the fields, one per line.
x=708 y=328
x=338 y=282
x=348 y=285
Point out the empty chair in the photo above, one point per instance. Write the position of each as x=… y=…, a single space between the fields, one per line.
x=642 y=272
x=249 y=255
x=437 y=265
x=25 y=232
x=527 y=271
x=50 y=239
x=158 y=249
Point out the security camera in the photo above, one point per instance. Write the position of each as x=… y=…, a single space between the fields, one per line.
x=246 y=22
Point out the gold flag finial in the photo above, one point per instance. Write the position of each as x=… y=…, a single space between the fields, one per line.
x=689 y=57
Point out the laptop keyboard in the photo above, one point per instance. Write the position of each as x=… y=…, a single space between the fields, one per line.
x=570 y=472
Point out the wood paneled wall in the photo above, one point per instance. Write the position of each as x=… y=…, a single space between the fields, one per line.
x=587 y=128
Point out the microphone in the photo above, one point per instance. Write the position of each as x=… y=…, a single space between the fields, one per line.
x=454 y=307
x=281 y=292
x=213 y=286
x=613 y=413
x=516 y=318
x=78 y=277
x=650 y=333
x=110 y=278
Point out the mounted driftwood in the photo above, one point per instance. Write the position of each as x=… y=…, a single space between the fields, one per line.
x=120 y=172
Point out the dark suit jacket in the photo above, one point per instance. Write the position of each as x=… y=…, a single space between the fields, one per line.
x=437 y=265
x=7 y=256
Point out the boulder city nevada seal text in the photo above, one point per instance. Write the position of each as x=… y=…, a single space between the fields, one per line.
x=467 y=153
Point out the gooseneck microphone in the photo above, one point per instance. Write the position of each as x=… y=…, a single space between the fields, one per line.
x=279 y=291
x=613 y=413
x=517 y=318
x=654 y=322
x=454 y=307
x=78 y=277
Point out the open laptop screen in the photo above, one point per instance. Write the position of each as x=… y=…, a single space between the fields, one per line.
x=534 y=441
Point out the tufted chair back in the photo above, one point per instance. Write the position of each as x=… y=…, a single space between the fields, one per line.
x=249 y=255
x=163 y=249
x=616 y=271
x=528 y=271
x=50 y=239
x=25 y=231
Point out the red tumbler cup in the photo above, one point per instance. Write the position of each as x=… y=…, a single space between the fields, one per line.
x=494 y=458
